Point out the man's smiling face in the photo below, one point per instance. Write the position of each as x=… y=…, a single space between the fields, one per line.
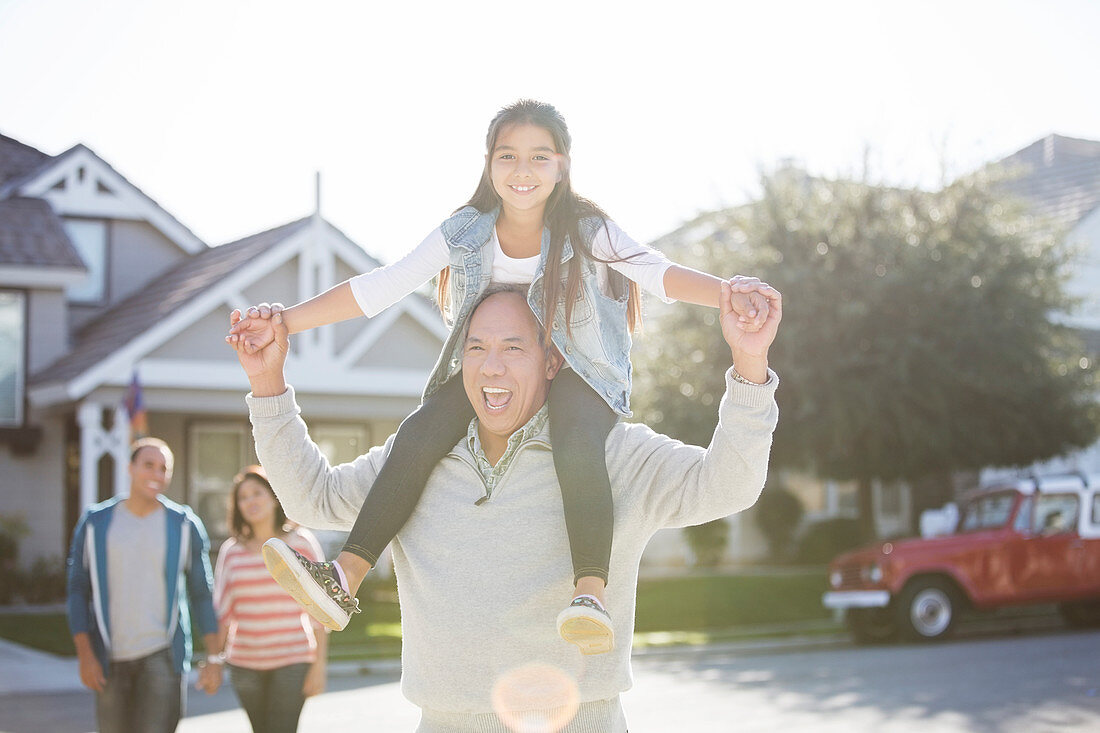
x=505 y=369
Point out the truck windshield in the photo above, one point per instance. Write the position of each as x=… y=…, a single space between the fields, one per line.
x=987 y=512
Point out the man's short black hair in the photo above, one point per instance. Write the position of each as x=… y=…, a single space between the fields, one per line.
x=140 y=443
x=497 y=289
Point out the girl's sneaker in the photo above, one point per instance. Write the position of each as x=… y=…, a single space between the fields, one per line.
x=314 y=585
x=585 y=623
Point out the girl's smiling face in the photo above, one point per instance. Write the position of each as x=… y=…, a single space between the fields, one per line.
x=525 y=166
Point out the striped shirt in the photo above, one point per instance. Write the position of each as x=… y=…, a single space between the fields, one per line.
x=267 y=628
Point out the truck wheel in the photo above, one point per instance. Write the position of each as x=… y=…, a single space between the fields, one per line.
x=927 y=610
x=870 y=625
x=1081 y=614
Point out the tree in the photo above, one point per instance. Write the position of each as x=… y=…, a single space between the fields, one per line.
x=917 y=335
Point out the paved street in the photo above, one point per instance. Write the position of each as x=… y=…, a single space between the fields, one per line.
x=1048 y=681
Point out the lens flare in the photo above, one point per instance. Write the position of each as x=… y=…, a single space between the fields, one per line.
x=536 y=698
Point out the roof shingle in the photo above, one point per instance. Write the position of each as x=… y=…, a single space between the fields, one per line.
x=115 y=327
x=17 y=159
x=1058 y=175
x=31 y=235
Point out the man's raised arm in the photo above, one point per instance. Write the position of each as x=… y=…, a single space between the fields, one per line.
x=676 y=485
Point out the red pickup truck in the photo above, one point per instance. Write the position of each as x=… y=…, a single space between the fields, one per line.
x=1026 y=541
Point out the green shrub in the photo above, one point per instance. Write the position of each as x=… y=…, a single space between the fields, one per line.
x=777 y=513
x=12 y=530
x=708 y=542
x=824 y=540
x=44 y=581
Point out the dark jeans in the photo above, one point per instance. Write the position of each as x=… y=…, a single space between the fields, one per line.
x=272 y=698
x=142 y=696
x=579 y=423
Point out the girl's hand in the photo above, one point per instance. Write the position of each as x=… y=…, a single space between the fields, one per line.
x=315 y=679
x=742 y=342
x=252 y=331
x=210 y=678
x=751 y=308
x=267 y=362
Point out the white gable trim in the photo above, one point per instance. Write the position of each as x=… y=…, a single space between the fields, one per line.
x=368 y=337
x=80 y=183
x=223 y=375
x=26 y=276
x=324 y=373
x=381 y=323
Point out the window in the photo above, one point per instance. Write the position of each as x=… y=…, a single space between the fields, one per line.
x=90 y=240
x=1022 y=523
x=987 y=512
x=216 y=452
x=340 y=443
x=1055 y=514
x=13 y=336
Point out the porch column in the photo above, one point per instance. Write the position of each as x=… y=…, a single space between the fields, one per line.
x=120 y=449
x=95 y=442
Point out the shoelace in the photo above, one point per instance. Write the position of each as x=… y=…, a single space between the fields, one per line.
x=325 y=574
x=589 y=603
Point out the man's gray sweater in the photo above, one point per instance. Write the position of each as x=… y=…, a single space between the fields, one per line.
x=480 y=585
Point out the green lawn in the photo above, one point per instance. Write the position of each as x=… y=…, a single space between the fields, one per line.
x=703 y=602
x=670 y=610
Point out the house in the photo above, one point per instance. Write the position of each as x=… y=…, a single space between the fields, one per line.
x=99 y=284
x=1058 y=178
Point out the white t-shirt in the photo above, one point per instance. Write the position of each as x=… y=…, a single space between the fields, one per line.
x=137 y=601
x=380 y=288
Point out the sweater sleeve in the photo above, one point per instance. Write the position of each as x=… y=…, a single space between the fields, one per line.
x=79 y=586
x=380 y=288
x=676 y=485
x=313 y=492
x=200 y=578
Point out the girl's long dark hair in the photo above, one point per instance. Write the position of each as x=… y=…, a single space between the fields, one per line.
x=240 y=528
x=563 y=214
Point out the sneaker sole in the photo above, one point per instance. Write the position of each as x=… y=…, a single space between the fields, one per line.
x=584 y=628
x=292 y=577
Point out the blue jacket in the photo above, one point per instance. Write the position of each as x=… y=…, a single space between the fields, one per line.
x=598 y=349
x=187 y=573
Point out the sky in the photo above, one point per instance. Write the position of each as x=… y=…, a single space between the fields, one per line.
x=223 y=111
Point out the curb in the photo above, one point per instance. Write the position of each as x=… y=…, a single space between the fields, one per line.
x=25 y=671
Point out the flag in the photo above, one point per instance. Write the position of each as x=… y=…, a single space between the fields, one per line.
x=135 y=407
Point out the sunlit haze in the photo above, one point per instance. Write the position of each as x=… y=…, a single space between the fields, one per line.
x=223 y=111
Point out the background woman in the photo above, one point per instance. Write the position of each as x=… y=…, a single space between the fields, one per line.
x=275 y=651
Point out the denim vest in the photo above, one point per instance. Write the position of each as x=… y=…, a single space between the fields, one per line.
x=597 y=349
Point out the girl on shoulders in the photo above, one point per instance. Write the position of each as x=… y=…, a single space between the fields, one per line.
x=524 y=224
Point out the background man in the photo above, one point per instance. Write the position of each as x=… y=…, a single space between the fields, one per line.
x=484 y=559
x=139 y=565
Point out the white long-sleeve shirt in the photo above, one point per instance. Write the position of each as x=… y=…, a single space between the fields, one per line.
x=380 y=288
